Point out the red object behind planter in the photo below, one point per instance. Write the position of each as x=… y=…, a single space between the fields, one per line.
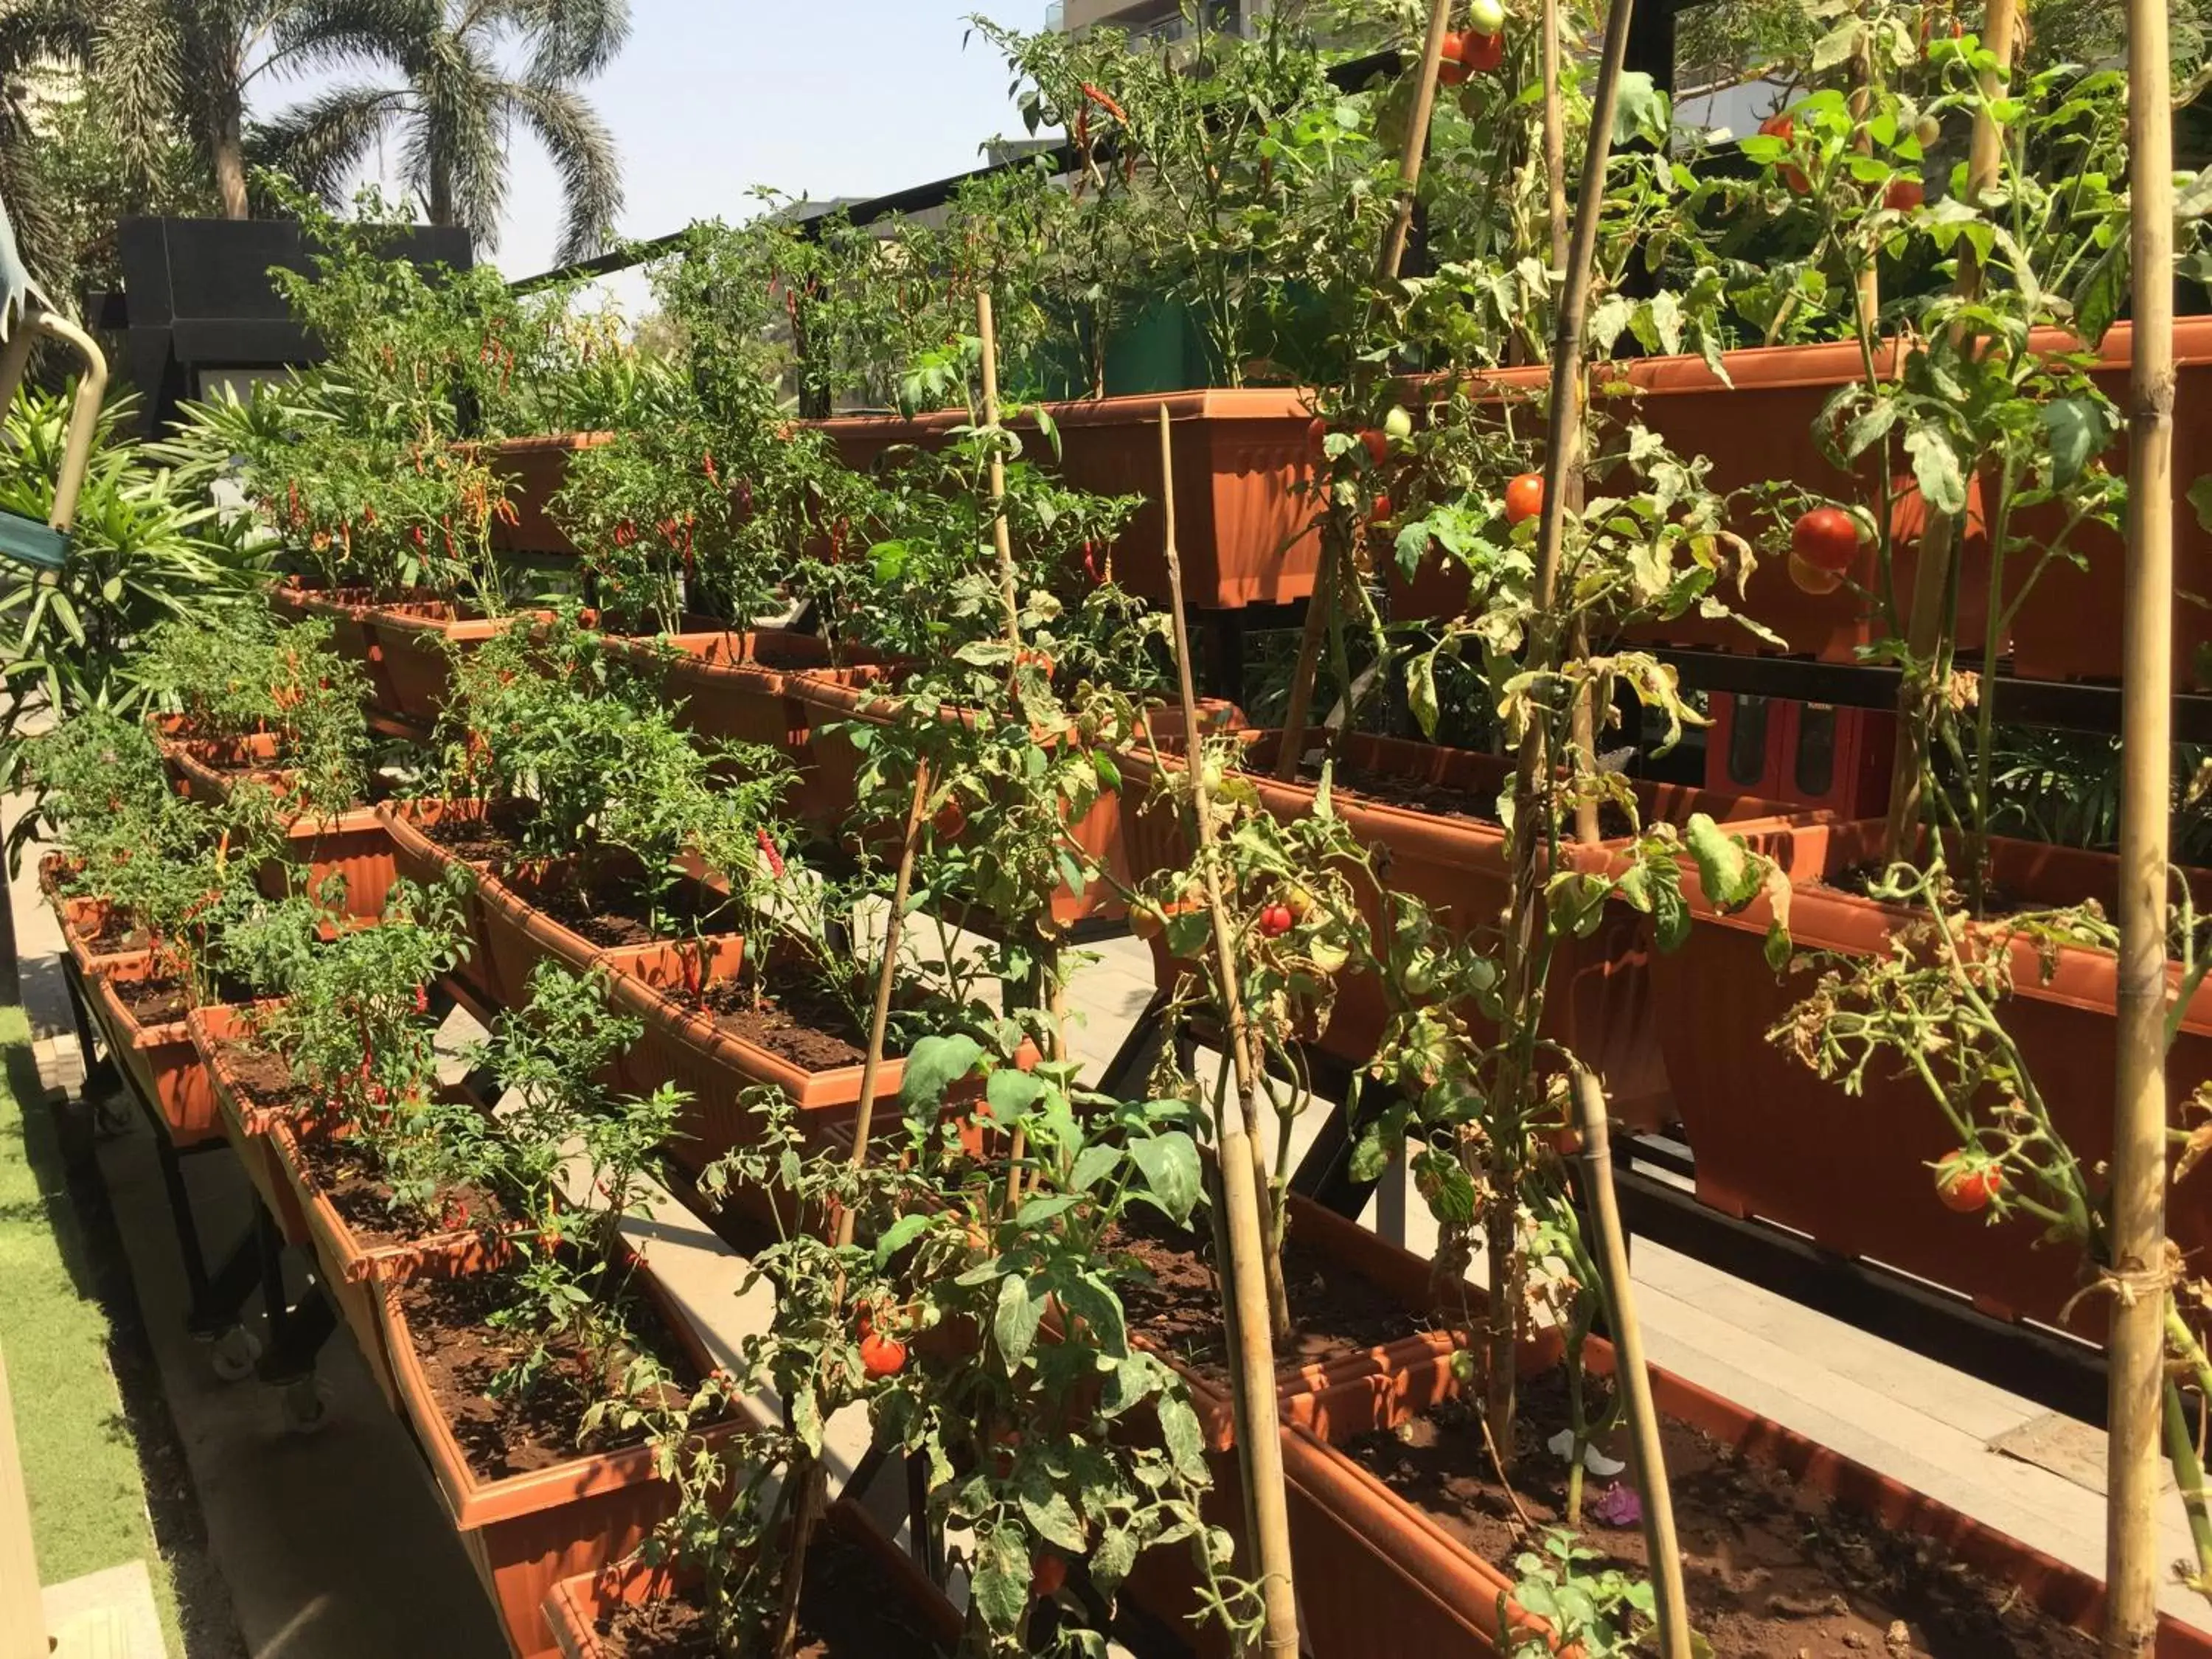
x=1599 y=1000
x=1244 y=529
x=163 y=1064
x=352 y=1273
x=525 y=1533
x=245 y=1125
x=1774 y=1141
x=575 y=1607
x=532 y=470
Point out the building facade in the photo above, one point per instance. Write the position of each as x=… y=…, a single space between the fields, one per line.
x=1154 y=19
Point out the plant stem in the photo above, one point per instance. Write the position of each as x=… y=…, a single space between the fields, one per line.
x=2137 y=1346
x=1254 y=1273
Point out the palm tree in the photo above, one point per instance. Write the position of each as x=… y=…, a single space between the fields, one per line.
x=166 y=63
x=35 y=36
x=454 y=101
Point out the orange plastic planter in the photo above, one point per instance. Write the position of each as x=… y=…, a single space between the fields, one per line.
x=1242 y=523
x=246 y=1126
x=532 y=470
x=1853 y=1173
x=161 y=1059
x=353 y=845
x=525 y=1533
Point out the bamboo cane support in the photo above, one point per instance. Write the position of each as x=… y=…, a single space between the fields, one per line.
x=1252 y=1278
x=1329 y=573
x=2137 y=1342
x=1939 y=539
x=1650 y=1462
x=1009 y=587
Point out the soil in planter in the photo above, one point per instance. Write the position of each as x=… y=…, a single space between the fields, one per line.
x=1336 y=1313
x=460 y=1353
x=846 y=1611
x=117 y=933
x=491 y=839
x=628 y=911
x=154 y=1002
x=1770 y=1569
x=263 y=1078
x=363 y=1202
x=803 y=1024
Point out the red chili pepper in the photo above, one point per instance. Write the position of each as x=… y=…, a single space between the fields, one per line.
x=774 y=858
x=707 y=461
x=421 y=1000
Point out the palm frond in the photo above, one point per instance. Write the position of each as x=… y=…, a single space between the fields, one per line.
x=583 y=154
x=322 y=143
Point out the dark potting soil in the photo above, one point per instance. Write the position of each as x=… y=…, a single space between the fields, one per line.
x=1335 y=1312
x=630 y=910
x=153 y=1001
x=116 y=933
x=363 y=1201
x=489 y=840
x=803 y=1024
x=1771 y=1570
x=846 y=1611
x=261 y=1075
x=460 y=1353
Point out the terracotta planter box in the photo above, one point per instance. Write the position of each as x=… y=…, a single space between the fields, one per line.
x=346 y=610
x=174 y=736
x=730 y=684
x=527 y=1533
x=1599 y=998
x=1754 y=426
x=246 y=1126
x=353 y=845
x=409 y=645
x=424 y=861
x=1378 y=1388
x=1774 y=1141
x=1378 y=1578
x=518 y=934
x=2069 y=624
x=533 y=469
x=575 y=1607
x=1244 y=529
x=83 y=920
x=353 y=1274
x=161 y=1061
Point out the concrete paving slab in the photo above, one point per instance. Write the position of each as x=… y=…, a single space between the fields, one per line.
x=123 y=1597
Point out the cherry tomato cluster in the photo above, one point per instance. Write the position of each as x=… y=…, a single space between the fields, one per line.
x=1478 y=48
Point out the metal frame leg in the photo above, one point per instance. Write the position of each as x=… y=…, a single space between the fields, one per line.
x=296 y=1335
x=97 y=1072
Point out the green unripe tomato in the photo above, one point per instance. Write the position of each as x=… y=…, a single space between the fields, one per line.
x=1486 y=16
x=1397 y=425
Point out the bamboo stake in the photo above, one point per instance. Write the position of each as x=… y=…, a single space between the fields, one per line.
x=1329 y=573
x=2136 y=1348
x=1009 y=586
x=1649 y=1461
x=1555 y=170
x=1254 y=1270
x=1939 y=538
x=1562 y=462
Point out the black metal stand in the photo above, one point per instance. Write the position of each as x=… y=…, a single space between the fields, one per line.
x=296 y=1333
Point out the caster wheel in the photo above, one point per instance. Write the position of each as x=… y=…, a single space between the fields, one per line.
x=111 y=1118
x=305 y=1411
x=234 y=1353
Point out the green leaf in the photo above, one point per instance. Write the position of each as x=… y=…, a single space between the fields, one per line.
x=1642 y=111
x=1112 y=1558
x=1185 y=1441
x=1173 y=1177
x=900 y=1234
x=1018 y=1314
x=1012 y=1093
x=2200 y=497
x=2078 y=429
x=933 y=1065
x=1049 y=1514
x=1001 y=1584
x=1092 y=1164
x=1726 y=868
x=1421 y=691
x=2103 y=294
x=1935 y=467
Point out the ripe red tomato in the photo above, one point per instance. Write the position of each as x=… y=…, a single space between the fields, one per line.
x=1524 y=497
x=1967 y=1189
x=1379 y=445
x=1482 y=52
x=1827 y=538
x=1316 y=432
x=1782 y=127
x=1276 y=921
x=1381 y=507
x=1450 y=72
x=1047 y=1573
x=950 y=820
x=1904 y=195
x=882 y=1356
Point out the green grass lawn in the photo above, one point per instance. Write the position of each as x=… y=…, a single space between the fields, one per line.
x=80 y=1462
